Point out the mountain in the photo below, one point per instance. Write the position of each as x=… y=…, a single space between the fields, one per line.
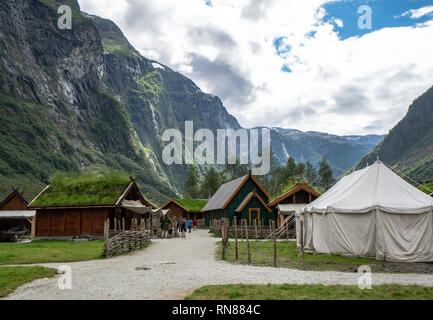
x=408 y=147
x=84 y=99
x=342 y=152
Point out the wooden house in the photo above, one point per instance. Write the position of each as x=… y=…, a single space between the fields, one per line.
x=244 y=198
x=185 y=208
x=14 y=213
x=296 y=198
x=80 y=208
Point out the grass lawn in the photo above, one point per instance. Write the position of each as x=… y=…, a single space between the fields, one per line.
x=41 y=251
x=13 y=277
x=288 y=256
x=310 y=292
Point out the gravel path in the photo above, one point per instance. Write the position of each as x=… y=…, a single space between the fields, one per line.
x=176 y=267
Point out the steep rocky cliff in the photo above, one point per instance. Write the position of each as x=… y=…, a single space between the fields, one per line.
x=409 y=145
x=83 y=98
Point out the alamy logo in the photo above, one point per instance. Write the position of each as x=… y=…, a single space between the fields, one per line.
x=204 y=152
x=364 y=277
x=65 y=280
x=65 y=21
x=365 y=21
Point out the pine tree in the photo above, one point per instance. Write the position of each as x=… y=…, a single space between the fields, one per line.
x=211 y=182
x=192 y=183
x=325 y=174
x=310 y=173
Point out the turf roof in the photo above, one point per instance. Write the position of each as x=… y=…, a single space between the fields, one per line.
x=292 y=186
x=84 y=189
x=192 y=204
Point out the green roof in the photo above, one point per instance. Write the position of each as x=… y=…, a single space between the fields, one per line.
x=292 y=186
x=192 y=204
x=84 y=189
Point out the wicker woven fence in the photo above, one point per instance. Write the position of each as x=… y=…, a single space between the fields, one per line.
x=117 y=242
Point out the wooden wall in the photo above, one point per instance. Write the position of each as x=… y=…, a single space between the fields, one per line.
x=175 y=211
x=14 y=203
x=71 y=222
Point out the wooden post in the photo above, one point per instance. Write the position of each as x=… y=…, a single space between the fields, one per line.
x=105 y=231
x=242 y=230
x=274 y=237
x=236 y=238
x=123 y=225
x=302 y=243
x=223 y=247
x=248 y=243
x=255 y=227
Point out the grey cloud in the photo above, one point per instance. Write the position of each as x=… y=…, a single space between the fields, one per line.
x=256 y=9
x=223 y=80
x=142 y=16
x=349 y=100
x=217 y=38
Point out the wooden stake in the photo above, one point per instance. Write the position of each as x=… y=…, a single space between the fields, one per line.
x=223 y=247
x=255 y=227
x=274 y=237
x=302 y=243
x=123 y=225
x=248 y=243
x=236 y=238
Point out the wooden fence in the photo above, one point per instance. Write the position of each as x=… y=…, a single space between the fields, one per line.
x=119 y=241
x=255 y=230
x=243 y=229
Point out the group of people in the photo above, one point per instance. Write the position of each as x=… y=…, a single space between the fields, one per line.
x=182 y=226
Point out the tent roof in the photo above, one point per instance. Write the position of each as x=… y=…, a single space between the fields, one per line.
x=291 y=207
x=17 y=214
x=374 y=187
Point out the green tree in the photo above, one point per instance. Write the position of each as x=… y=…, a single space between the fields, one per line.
x=234 y=171
x=310 y=173
x=325 y=174
x=192 y=183
x=287 y=173
x=300 y=171
x=211 y=182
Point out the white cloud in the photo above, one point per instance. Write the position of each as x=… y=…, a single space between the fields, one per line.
x=352 y=86
x=418 y=13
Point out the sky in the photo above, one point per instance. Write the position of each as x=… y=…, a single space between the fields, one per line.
x=309 y=65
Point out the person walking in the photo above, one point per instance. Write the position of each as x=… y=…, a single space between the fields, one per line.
x=189 y=225
x=183 y=228
x=195 y=224
x=165 y=224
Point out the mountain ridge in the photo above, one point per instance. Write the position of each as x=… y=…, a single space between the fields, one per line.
x=85 y=99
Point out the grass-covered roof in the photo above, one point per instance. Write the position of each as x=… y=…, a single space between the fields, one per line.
x=84 y=189
x=192 y=204
x=293 y=185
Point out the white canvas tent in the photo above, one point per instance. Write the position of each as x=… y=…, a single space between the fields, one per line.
x=371 y=213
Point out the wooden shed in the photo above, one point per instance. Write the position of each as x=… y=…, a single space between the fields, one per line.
x=244 y=198
x=80 y=207
x=297 y=197
x=185 y=208
x=14 y=213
